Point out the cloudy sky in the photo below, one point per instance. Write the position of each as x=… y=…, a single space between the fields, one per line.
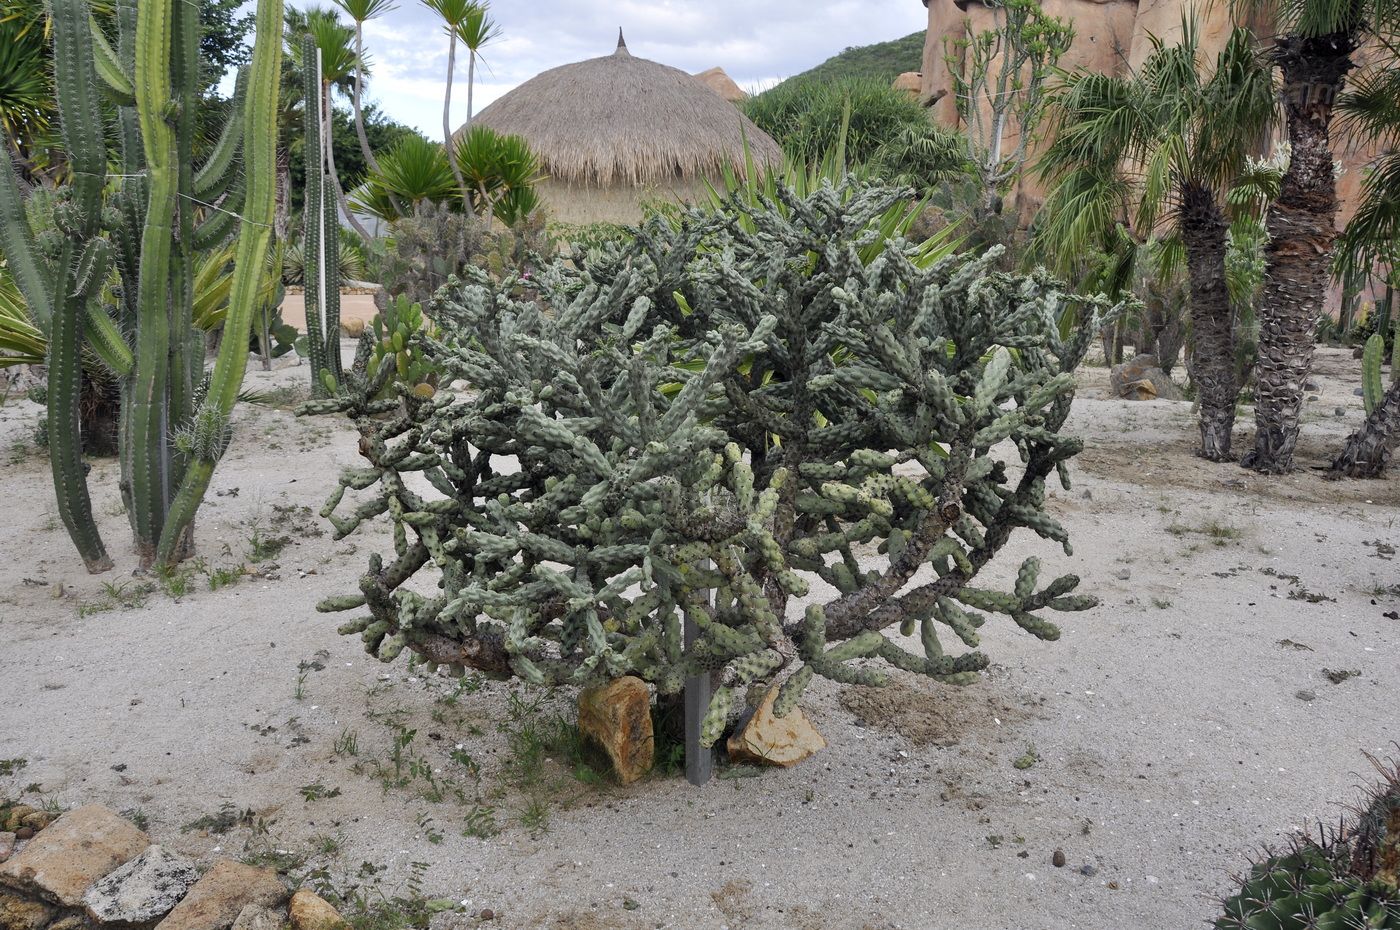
x=757 y=41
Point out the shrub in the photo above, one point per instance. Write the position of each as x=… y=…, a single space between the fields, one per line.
x=746 y=418
x=806 y=117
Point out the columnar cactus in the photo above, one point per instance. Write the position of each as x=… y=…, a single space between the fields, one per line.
x=143 y=237
x=748 y=417
x=1349 y=878
x=320 y=221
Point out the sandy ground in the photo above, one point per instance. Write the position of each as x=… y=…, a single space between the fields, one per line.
x=1176 y=728
x=359 y=307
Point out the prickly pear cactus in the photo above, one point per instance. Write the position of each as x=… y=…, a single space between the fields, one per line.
x=1349 y=880
x=747 y=417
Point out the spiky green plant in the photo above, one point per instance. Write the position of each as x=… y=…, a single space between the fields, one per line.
x=1349 y=879
x=413 y=172
x=145 y=230
x=702 y=425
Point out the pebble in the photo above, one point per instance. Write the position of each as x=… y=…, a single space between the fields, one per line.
x=24 y=833
x=1339 y=412
x=1058 y=860
x=1306 y=696
x=1313 y=397
x=486 y=914
x=1123 y=574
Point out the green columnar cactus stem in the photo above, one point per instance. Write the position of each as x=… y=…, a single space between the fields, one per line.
x=312 y=212
x=149 y=399
x=208 y=435
x=1372 y=386
x=83 y=138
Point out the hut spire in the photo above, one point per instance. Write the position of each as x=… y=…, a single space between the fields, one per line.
x=621 y=44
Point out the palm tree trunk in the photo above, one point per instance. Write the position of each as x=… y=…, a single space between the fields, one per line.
x=330 y=167
x=1212 y=359
x=359 y=90
x=1302 y=227
x=447 y=122
x=1368 y=449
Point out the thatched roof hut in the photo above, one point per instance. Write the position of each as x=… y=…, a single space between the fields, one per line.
x=721 y=83
x=614 y=131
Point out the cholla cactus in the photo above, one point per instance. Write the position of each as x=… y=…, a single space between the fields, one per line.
x=768 y=426
x=1349 y=879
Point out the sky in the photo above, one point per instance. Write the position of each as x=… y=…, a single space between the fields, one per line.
x=758 y=42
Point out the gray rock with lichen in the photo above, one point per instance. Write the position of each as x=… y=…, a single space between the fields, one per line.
x=143 y=890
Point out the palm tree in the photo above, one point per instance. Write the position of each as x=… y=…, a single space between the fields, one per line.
x=1372 y=240
x=361 y=12
x=455 y=15
x=1165 y=144
x=476 y=30
x=501 y=172
x=338 y=61
x=1313 y=51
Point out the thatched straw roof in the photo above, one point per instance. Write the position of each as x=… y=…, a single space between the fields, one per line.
x=721 y=83
x=620 y=120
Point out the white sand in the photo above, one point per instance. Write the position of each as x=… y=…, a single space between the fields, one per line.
x=1170 y=736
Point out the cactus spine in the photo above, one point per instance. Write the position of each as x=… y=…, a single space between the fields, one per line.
x=143 y=236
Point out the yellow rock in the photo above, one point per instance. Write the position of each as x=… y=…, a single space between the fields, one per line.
x=309 y=911
x=618 y=717
x=770 y=740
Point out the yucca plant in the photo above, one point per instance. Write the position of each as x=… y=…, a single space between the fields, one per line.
x=498 y=169
x=414 y=171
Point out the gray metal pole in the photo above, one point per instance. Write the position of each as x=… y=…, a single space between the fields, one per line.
x=699 y=761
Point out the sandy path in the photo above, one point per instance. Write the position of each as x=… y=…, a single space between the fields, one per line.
x=1171 y=735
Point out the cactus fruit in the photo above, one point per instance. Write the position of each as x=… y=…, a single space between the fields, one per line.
x=699 y=426
x=1350 y=878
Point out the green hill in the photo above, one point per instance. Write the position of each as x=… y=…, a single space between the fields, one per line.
x=885 y=60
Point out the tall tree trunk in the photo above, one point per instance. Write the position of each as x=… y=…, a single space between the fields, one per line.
x=1368 y=449
x=447 y=124
x=328 y=136
x=1212 y=359
x=1302 y=227
x=359 y=89
x=359 y=112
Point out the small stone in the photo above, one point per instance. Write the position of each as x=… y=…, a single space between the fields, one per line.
x=1088 y=870
x=1123 y=574
x=17 y=913
x=309 y=911
x=257 y=917
x=1311 y=386
x=617 y=716
x=77 y=849
x=24 y=833
x=217 y=899
x=1359 y=392
x=1058 y=859
x=772 y=740
x=142 y=891
x=487 y=914
x=15 y=816
x=1306 y=695
x=1339 y=411
x=1313 y=397
x=630 y=904
x=37 y=820
x=7 y=845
